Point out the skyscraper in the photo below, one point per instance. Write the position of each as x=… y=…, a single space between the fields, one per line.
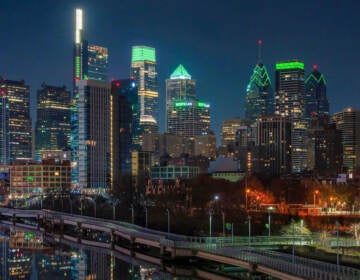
x=274 y=140
x=80 y=49
x=20 y=131
x=316 y=102
x=89 y=61
x=98 y=63
x=259 y=94
x=189 y=118
x=143 y=70
x=348 y=122
x=93 y=127
x=180 y=86
x=228 y=131
x=52 y=130
x=289 y=102
x=4 y=129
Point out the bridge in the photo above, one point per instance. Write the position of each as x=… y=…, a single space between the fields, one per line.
x=130 y=239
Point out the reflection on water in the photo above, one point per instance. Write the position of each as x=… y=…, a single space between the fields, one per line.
x=27 y=256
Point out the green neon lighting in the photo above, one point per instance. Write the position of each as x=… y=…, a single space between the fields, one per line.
x=29 y=235
x=141 y=53
x=290 y=65
x=180 y=73
x=29 y=179
x=312 y=77
x=77 y=66
x=182 y=104
x=260 y=77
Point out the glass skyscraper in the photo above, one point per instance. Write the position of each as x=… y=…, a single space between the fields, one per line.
x=180 y=86
x=316 y=102
x=98 y=63
x=290 y=102
x=143 y=71
x=259 y=94
x=4 y=130
x=52 y=130
x=20 y=130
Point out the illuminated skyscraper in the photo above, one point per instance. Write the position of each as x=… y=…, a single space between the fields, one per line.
x=90 y=61
x=228 y=131
x=180 y=86
x=52 y=128
x=348 y=122
x=259 y=94
x=143 y=70
x=20 y=131
x=4 y=130
x=94 y=163
x=80 y=59
x=189 y=118
x=290 y=102
x=316 y=102
x=274 y=140
x=98 y=63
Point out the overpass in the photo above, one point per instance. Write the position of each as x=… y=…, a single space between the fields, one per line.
x=126 y=238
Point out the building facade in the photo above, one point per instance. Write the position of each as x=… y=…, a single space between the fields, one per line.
x=290 y=102
x=189 y=118
x=259 y=94
x=180 y=86
x=20 y=130
x=274 y=145
x=348 y=122
x=52 y=129
x=98 y=63
x=94 y=158
x=316 y=102
x=143 y=71
x=4 y=129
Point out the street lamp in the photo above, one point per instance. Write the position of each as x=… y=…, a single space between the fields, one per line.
x=249 y=240
x=210 y=222
x=247 y=191
x=316 y=192
x=168 y=220
x=146 y=216
x=132 y=214
x=223 y=222
x=269 y=219
x=337 y=246
x=293 y=240
x=114 y=208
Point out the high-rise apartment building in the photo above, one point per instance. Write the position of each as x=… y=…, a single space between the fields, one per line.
x=143 y=70
x=290 y=102
x=4 y=129
x=94 y=161
x=180 y=86
x=274 y=144
x=52 y=129
x=20 y=131
x=189 y=118
x=348 y=122
x=316 y=102
x=98 y=63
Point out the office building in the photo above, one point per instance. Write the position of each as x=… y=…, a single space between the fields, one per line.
x=324 y=146
x=4 y=129
x=98 y=63
x=259 y=94
x=89 y=61
x=143 y=71
x=20 y=131
x=348 y=122
x=274 y=145
x=290 y=102
x=94 y=158
x=189 y=118
x=228 y=131
x=52 y=129
x=180 y=86
x=316 y=102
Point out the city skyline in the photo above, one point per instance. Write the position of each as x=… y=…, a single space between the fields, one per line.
x=219 y=56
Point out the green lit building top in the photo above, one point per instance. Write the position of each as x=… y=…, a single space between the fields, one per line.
x=141 y=53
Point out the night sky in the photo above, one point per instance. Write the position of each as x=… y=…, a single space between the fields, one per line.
x=215 y=40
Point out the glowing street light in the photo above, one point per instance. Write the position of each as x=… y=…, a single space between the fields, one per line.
x=247 y=191
x=269 y=219
x=316 y=192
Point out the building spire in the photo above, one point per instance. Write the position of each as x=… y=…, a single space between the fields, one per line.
x=259 y=51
